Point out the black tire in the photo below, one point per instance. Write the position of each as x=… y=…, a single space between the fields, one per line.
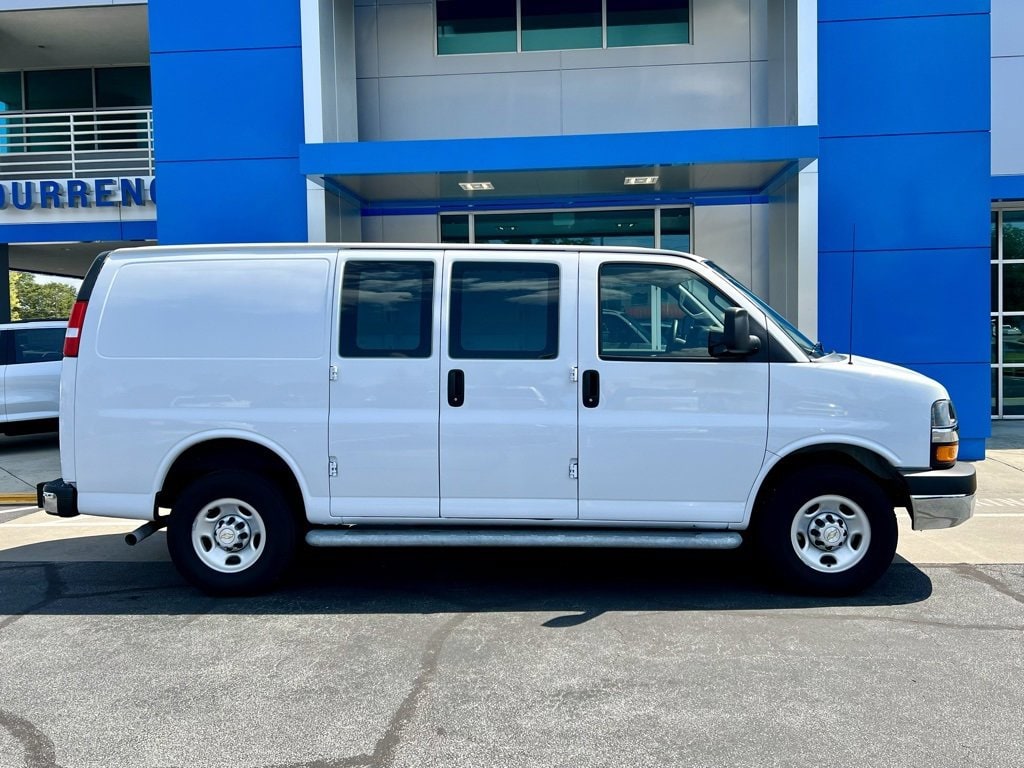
x=795 y=538
x=262 y=527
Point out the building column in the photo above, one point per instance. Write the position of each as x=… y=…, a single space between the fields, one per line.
x=905 y=178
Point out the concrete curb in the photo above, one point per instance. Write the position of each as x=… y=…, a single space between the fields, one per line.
x=17 y=498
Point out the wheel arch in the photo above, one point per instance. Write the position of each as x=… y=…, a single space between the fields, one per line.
x=858 y=457
x=216 y=453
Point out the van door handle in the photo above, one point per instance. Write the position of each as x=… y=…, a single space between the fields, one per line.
x=591 y=389
x=456 y=387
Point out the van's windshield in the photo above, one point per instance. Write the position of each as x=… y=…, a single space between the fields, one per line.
x=811 y=348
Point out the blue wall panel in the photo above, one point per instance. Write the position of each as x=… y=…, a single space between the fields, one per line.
x=1007 y=188
x=849 y=10
x=209 y=25
x=86 y=231
x=234 y=201
x=912 y=78
x=225 y=104
x=905 y=192
x=228 y=116
x=905 y=158
x=889 y=320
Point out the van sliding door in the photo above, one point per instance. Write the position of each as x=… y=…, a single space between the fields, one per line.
x=508 y=401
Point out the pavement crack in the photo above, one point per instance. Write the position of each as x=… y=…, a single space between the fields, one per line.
x=976 y=574
x=37 y=746
x=19 y=479
x=387 y=745
x=1004 y=463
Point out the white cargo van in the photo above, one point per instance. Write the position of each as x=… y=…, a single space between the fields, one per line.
x=254 y=397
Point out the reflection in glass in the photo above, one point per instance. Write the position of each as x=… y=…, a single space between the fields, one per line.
x=1013 y=287
x=1013 y=235
x=561 y=25
x=455 y=229
x=1013 y=391
x=995 y=391
x=59 y=89
x=622 y=228
x=123 y=87
x=386 y=309
x=648 y=22
x=504 y=311
x=10 y=92
x=468 y=26
x=1012 y=335
x=995 y=234
x=995 y=287
x=675 y=229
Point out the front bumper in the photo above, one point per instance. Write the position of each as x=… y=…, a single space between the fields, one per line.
x=57 y=498
x=941 y=498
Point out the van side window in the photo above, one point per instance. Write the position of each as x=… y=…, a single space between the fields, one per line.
x=504 y=311
x=38 y=345
x=386 y=309
x=651 y=311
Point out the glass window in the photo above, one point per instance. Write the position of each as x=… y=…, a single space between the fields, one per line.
x=123 y=87
x=38 y=345
x=624 y=228
x=1013 y=235
x=58 y=89
x=455 y=229
x=10 y=91
x=994 y=287
x=675 y=229
x=1013 y=392
x=995 y=235
x=995 y=391
x=469 y=26
x=504 y=311
x=386 y=309
x=648 y=22
x=1012 y=334
x=1013 y=287
x=554 y=25
x=657 y=312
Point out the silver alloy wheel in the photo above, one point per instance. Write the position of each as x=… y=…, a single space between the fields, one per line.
x=228 y=535
x=830 y=533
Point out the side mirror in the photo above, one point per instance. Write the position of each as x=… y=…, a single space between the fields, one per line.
x=736 y=339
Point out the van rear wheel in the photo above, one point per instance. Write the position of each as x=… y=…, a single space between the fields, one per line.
x=232 y=533
x=827 y=530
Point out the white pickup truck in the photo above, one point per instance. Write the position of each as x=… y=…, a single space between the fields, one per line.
x=253 y=397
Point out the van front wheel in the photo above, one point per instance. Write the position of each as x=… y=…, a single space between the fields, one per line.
x=827 y=530
x=231 y=533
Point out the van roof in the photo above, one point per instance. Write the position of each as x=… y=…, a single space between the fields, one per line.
x=295 y=248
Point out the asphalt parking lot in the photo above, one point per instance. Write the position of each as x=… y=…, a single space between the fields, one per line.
x=511 y=658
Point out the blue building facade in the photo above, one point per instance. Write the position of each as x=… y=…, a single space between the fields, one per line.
x=831 y=153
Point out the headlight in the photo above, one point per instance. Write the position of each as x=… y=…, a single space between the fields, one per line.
x=945 y=435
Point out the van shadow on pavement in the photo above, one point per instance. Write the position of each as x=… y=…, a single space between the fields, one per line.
x=581 y=584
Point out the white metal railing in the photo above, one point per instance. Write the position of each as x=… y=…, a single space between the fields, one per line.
x=77 y=144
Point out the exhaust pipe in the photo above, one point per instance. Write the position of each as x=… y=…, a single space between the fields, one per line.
x=144 y=531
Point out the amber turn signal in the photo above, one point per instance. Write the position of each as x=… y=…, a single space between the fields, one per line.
x=946 y=453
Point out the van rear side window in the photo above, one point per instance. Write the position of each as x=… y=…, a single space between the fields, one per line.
x=386 y=309
x=259 y=309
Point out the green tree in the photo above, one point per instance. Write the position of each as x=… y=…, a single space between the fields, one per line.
x=31 y=300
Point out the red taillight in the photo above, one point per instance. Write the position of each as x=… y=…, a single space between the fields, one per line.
x=74 y=334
